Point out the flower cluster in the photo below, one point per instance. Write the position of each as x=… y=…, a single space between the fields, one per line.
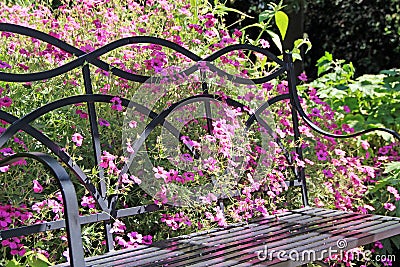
x=176 y=221
x=12 y=216
x=134 y=238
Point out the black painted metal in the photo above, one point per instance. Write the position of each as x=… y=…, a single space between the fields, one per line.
x=84 y=219
x=106 y=203
x=73 y=226
x=300 y=172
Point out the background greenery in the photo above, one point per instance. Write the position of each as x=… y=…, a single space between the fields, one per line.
x=364 y=32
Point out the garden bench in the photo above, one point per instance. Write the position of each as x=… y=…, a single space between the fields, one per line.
x=254 y=243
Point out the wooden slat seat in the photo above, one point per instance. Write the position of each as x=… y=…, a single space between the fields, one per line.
x=307 y=229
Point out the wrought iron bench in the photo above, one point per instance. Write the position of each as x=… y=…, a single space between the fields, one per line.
x=243 y=244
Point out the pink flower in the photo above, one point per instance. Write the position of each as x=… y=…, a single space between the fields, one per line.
x=147 y=239
x=159 y=172
x=116 y=103
x=66 y=254
x=87 y=48
x=315 y=112
x=364 y=144
x=302 y=77
x=88 y=202
x=82 y=114
x=4 y=168
x=394 y=191
x=135 y=237
x=97 y=24
x=122 y=242
x=264 y=43
x=318 y=202
x=5 y=102
x=4 y=65
x=321 y=155
x=210 y=23
x=77 y=138
x=103 y=122
x=118 y=227
x=23 y=66
x=37 y=187
x=327 y=173
x=389 y=206
x=346 y=109
x=378 y=244
x=237 y=33
x=132 y=124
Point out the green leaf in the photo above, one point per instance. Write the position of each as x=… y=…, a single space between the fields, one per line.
x=299 y=42
x=224 y=9
x=386 y=244
x=392 y=166
x=37 y=260
x=37 y=263
x=386 y=136
x=380 y=184
x=13 y=263
x=324 y=63
x=282 y=21
x=275 y=39
x=267 y=14
x=355 y=121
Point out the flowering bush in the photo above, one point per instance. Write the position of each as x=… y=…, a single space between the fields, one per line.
x=343 y=168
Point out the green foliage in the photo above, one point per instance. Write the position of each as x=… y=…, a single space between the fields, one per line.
x=392 y=170
x=31 y=259
x=364 y=32
x=373 y=100
x=296 y=53
x=275 y=12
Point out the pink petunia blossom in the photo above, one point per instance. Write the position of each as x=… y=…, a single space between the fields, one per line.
x=147 y=240
x=103 y=122
x=4 y=65
x=88 y=202
x=302 y=77
x=82 y=114
x=135 y=237
x=116 y=103
x=394 y=191
x=4 y=168
x=77 y=138
x=365 y=145
x=264 y=43
x=5 y=102
x=389 y=206
x=237 y=33
x=37 y=187
x=346 y=109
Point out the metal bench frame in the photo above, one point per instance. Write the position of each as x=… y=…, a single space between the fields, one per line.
x=306 y=228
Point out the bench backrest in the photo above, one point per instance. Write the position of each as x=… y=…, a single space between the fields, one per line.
x=108 y=202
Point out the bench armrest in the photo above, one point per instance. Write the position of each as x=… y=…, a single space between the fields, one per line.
x=69 y=197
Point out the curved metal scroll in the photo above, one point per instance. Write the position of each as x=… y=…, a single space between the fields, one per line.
x=70 y=202
x=92 y=57
x=23 y=124
x=308 y=121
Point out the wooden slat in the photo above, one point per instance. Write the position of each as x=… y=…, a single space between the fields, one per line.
x=302 y=229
